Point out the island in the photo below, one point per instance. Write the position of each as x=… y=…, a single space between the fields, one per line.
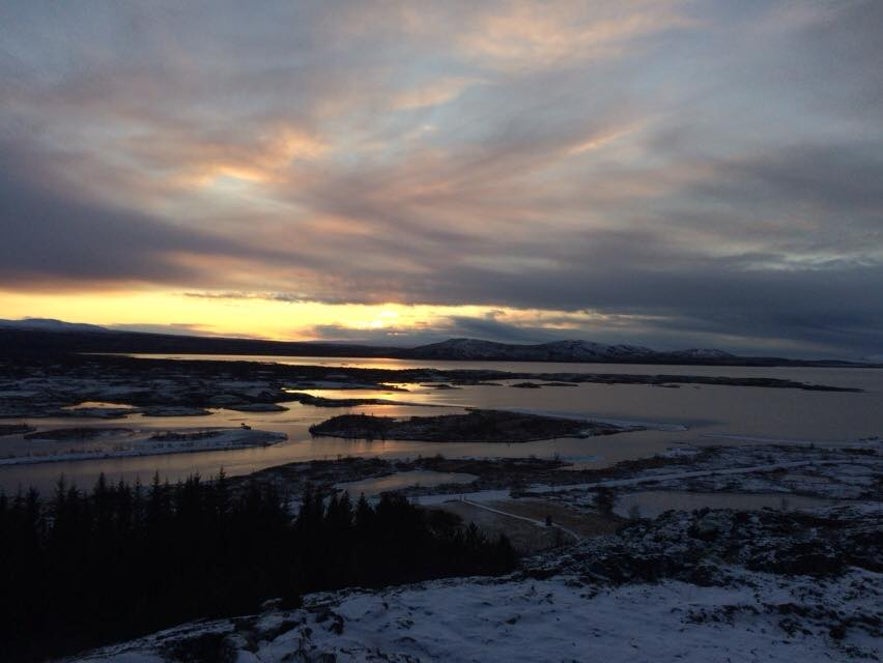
x=474 y=426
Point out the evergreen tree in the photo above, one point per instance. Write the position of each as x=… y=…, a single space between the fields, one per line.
x=84 y=568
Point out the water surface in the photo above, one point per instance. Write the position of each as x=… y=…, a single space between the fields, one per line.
x=697 y=415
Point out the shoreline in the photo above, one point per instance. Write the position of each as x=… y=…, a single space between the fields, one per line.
x=765 y=469
x=476 y=426
x=235 y=440
x=799 y=583
x=35 y=388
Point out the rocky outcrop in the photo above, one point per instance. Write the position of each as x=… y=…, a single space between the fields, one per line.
x=476 y=426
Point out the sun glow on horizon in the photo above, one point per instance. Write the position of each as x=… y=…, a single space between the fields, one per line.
x=265 y=317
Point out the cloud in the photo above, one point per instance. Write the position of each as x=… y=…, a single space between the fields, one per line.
x=484 y=328
x=435 y=93
x=53 y=238
x=526 y=35
x=705 y=168
x=238 y=295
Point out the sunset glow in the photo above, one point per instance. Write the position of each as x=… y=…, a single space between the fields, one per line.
x=671 y=173
x=264 y=317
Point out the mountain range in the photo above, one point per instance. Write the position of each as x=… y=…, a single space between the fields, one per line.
x=39 y=335
x=558 y=351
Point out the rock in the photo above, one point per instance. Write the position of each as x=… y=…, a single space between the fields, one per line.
x=257 y=407
x=707 y=528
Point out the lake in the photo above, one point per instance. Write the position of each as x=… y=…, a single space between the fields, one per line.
x=698 y=415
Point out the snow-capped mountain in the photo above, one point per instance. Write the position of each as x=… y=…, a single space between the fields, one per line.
x=558 y=351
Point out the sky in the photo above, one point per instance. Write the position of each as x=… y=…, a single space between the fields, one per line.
x=671 y=173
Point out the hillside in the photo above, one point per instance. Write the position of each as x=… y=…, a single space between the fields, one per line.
x=41 y=336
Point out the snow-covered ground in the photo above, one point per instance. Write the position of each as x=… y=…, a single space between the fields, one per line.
x=764 y=618
x=706 y=585
x=832 y=473
x=144 y=443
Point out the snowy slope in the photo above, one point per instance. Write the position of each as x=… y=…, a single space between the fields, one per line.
x=542 y=620
x=706 y=585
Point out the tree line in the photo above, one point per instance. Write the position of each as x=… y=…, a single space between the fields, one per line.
x=84 y=568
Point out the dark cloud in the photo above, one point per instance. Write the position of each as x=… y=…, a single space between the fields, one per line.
x=485 y=328
x=492 y=329
x=829 y=308
x=701 y=170
x=841 y=55
x=842 y=183
x=53 y=237
x=234 y=295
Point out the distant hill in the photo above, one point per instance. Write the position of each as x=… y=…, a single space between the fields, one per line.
x=44 y=336
x=559 y=351
x=467 y=349
x=53 y=336
x=50 y=325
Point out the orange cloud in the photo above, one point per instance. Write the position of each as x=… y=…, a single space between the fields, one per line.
x=597 y=141
x=533 y=36
x=435 y=93
x=259 y=161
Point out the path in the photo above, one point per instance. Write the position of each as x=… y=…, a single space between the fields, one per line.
x=540 y=523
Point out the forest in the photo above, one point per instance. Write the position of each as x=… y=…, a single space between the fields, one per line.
x=84 y=568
